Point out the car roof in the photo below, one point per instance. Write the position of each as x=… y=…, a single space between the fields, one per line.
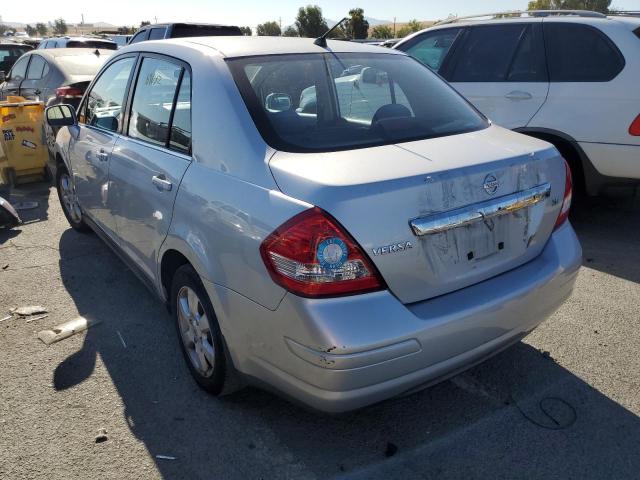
x=245 y=46
x=78 y=39
x=194 y=24
x=53 y=53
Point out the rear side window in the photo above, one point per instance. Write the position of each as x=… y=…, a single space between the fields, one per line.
x=487 y=53
x=152 y=108
x=140 y=36
x=432 y=47
x=180 y=139
x=106 y=98
x=19 y=70
x=156 y=34
x=580 y=53
x=37 y=68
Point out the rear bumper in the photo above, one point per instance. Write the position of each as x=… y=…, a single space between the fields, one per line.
x=340 y=354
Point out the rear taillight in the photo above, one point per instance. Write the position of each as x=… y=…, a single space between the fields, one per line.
x=566 y=199
x=311 y=255
x=634 y=128
x=69 y=92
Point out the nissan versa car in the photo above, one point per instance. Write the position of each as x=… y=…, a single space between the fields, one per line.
x=336 y=223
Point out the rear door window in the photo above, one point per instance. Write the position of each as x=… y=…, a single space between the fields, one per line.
x=487 y=53
x=153 y=100
x=106 y=98
x=580 y=53
x=37 y=68
x=432 y=47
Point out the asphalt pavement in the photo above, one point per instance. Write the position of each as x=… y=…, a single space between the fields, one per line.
x=117 y=401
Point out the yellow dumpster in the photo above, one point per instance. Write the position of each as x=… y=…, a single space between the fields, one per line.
x=23 y=147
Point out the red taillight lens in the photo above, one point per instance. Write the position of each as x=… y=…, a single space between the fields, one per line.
x=69 y=92
x=566 y=200
x=634 y=128
x=311 y=255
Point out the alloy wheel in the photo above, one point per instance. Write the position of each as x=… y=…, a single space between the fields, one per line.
x=195 y=331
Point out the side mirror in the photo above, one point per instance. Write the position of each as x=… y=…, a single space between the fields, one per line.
x=61 y=116
x=278 y=102
x=3 y=76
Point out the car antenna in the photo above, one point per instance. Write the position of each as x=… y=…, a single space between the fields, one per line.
x=321 y=41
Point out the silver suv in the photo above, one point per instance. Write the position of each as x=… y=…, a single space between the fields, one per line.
x=336 y=223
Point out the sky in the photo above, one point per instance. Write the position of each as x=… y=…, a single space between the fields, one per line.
x=253 y=12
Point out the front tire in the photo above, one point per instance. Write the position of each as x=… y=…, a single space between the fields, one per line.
x=198 y=330
x=69 y=200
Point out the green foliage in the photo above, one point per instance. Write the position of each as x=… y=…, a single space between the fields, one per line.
x=290 y=31
x=310 y=22
x=246 y=31
x=269 y=29
x=144 y=23
x=31 y=31
x=382 y=32
x=42 y=29
x=3 y=28
x=60 y=27
x=594 y=5
x=356 y=26
x=411 y=27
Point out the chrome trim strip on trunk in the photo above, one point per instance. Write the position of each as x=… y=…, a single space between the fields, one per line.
x=441 y=222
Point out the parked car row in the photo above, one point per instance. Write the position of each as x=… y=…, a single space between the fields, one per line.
x=570 y=79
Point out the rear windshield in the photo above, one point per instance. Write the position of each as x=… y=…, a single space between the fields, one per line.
x=81 y=64
x=203 y=31
x=92 y=44
x=326 y=102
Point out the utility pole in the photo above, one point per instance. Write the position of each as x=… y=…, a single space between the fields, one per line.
x=82 y=22
x=394 y=27
x=156 y=19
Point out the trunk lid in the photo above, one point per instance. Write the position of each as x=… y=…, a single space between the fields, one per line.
x=384 y=196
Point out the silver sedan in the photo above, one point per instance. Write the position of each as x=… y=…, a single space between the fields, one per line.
x=332 y=222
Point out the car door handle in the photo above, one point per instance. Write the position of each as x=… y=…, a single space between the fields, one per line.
x=161 y=183
x=102 y=155
x=518 y=95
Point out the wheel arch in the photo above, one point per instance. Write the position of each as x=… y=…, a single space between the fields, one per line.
x=586 y=178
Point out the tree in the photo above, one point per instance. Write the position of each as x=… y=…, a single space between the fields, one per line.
x=310 y=22
x=144 y=23
x=356 y=26
x=268 y=29
x=3 y=28
x=246 y=31
x=594 y=5
x=31 y=31
x=42 y=29
x=382 y=32
x=60 y=27
x=290 y=31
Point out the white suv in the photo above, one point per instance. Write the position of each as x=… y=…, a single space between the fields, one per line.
x=570 y=77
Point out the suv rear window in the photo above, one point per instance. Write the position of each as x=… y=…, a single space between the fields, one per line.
x=92 y=44
x=204 y=31
x=327 y=102
x=580 y=53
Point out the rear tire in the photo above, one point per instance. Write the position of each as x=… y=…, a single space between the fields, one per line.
x=198 y=330
x=69 y=201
